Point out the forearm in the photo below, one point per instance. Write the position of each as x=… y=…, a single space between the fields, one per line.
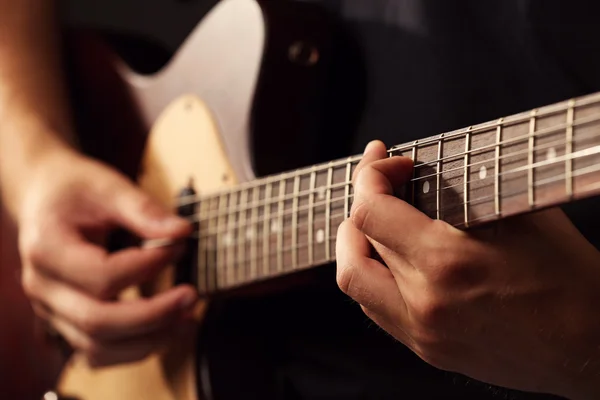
x=34 y=112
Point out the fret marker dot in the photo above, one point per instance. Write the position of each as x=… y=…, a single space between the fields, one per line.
x=321 y=193
x=482 y=172
x=320 y=236
x=426 y=187
x=551 y=155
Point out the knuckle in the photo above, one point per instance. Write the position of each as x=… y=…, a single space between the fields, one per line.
x=360 y=214
x=443 y=264
x=347 y=280
x=344 y=277
x=431 y=312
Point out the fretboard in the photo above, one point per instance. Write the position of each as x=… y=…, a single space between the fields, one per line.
x=288 y=222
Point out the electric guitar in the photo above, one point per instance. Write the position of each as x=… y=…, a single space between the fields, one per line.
x=186 y=135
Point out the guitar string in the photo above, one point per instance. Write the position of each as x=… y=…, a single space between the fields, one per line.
x=203 y=217
x=334 y=203
x=191 y=200
x=528 y=168
x=421 y=142
x=317 y=221
x=221 y=262
x=559 y=128
x=290 y=196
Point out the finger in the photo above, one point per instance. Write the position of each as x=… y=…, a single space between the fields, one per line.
x=68 y=257
x=139 y=212
x=380 y=215
x=375 y=150
x=111 y=320
x=106 y=353
x=364 y=279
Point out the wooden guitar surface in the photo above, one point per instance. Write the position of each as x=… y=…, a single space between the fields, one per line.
x=184 y=144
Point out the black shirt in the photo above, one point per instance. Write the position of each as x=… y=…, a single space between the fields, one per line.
x=430 y=66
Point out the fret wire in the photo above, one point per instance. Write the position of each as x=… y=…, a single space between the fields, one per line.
x=579 y=154
x=538 y=147
x=490 y=198
x=559 y=142
x=311 y=212
x=414 y=172
x=438 y=195
x=590 y=169
x=254 y=230
x=328 y=213
x=302 y=208
x=356 y=159
x=569 y=148
x=301 y=246
x=280 y=216
x=530 y=159
x=583 y=171
x=221 y=264
x=291 y=197
x=241 y=222
x=549 y=180
x=213 y=255
x=512 y=141
x=582 y=153
x=466 y=178
x=229 y=235
x=295 y=220
x=497 y=208
x=202 y=255
x=347 y=188
x=546 y=111
x=266 y=231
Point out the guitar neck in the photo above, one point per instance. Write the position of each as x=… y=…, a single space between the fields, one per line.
x=288 y=222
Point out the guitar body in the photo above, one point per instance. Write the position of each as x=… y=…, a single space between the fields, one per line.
x=249 y=69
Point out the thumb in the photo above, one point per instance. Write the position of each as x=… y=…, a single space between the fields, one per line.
x=139 y=212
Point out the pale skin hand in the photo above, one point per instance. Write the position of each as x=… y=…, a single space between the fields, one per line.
x=65 y=204
x=514 y=305
x=71 y=278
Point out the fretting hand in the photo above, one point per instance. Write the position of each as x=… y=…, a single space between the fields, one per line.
x=69 y=205
x=513 y=304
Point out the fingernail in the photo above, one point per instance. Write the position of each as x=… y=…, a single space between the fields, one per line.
x=188 y=301
x=370 y=146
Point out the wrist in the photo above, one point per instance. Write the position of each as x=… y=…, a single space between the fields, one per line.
x=27 y=145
